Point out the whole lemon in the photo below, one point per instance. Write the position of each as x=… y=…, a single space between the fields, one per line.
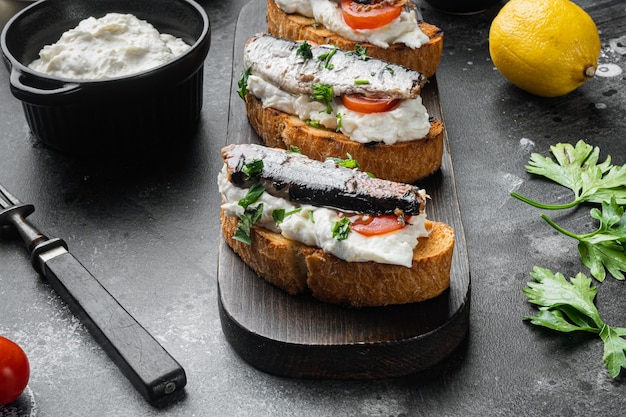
x=546 y=47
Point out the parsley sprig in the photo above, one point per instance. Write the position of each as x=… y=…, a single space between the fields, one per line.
x=341 y=229
x=349 y=162
x=304 y=51
x=326 y=57
x=568 y=306
x=603 y=249
x=324 y=94
x=242 y=83
x=577 y=168
x=279 y=215
x=251 y=214
x=360 y=52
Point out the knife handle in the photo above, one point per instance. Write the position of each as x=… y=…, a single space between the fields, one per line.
x=148 y=366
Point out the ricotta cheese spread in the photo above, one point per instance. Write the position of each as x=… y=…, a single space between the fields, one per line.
x=404 y=29
x=406 y=122
x=391 y=248
x=111 y=46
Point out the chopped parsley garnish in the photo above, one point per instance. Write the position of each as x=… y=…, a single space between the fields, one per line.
x=324 y=94
x=313 y=123
x=246 y=220
x=279 y=215
x=339 y=121
x=348 y=163
x=391 y=71
x=360 y=52
x=341 y=229
x=243 y=83
x=251 y=215
x=293 y=149
x=253 y=194
x=252 y=169
x=304 y=50
x=326 y=57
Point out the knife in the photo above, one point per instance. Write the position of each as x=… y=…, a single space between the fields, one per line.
x=147 y=365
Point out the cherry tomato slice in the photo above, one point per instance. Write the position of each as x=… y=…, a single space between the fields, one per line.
x=363 y=104
x=375 y=225
x=14 y=371
x=369 y=16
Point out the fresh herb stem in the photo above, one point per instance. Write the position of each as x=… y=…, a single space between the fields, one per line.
x=560 y=229
x=544 y=206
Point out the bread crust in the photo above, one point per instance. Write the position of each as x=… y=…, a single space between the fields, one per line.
x=401 y=162
x=295 y=27
x=298 y=268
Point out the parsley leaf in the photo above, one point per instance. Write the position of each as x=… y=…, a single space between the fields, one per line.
x=279 y=215
x=349 y=162
x=326 y=57
x=360 y=52
x=293 y=149
x=602 y=250
x=253 y=194
x=614 y=348
x=568 y=306
x=242 y=83
x=339 y=117
x=253 y=168
x=324 y=94
x=251 y=215
x=304 y=50
x=341 y=229
x=313 y=123
x=246 y=220
x=577 y=168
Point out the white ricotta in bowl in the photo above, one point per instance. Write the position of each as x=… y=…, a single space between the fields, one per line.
x=114 y=45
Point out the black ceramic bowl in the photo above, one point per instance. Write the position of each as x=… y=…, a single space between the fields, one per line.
x=160 y=106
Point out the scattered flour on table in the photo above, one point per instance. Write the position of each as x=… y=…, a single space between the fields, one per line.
x=526 y=145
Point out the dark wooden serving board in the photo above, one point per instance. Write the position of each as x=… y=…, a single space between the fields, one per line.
x=302 y=337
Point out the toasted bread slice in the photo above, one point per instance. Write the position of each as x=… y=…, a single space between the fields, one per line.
x=297 y=268
x=402 y=162
x=295 y=27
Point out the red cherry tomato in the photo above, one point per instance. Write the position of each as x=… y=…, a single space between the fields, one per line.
x=375 y=225
x=369 y=16
x=363 y=104
x=14 y=371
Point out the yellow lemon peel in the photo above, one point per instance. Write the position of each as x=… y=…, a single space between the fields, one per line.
x=546 y=47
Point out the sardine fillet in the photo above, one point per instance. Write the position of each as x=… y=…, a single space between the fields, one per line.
x=276 y=61
x=297 y=178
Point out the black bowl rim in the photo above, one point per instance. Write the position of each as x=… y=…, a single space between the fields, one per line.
x=16 y=65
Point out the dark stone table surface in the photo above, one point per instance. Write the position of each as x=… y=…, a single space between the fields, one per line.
x=149 y=230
